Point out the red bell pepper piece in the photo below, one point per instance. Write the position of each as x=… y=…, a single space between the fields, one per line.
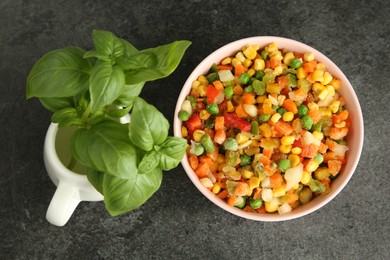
x=193 y=123
x=211 y=93
x=232 y=120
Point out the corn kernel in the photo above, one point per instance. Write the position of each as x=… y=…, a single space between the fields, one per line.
x=271 y=47
x=296 y=186
x=281 y=99
x=331 y=90
x=318 y=135
x=312 y=165
x=240 y=56
x=271 y=206
x=306 y=176
x=195 y=84
x=216 y=189
x=296 y=150
x=327 y=78
x=253 y=182
x=274 y=88
x=324 y=94
x=236 y=62
x=265 y=130
x=259 y=64
x=203 y=80
x=325 y=112
x=334 y=106
x=287 y=140
x=288 y=116
x=318 y=75
x=322 y=173
x=312 y=106
x=278 y=70
x=301 y=73
x=294 y=159
x=288 y=57
x=226 y=61
x=261 y=99
x=184 y=131
x=275 y=117
x=321 y=66
x=198 y=134
x=247 y=63
x=247 y=174
x=317 y=87
x=308 y=56
x=251 y=72
x=250 y=52
x=276 y=55
x=230 y=107
x=285 y=148
x=279 y=191
x=204 y=114
x=241 y=138
x=336 y=83
x=340 y=125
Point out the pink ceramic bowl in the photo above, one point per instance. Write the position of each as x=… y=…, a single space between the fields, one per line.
x=354 y=139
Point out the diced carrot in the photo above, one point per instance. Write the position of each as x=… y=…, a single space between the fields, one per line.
x=289 y=105
x=219 y=123
x=334 y=166
x=338 y=133
x=333 y=156
x=267 y=64
x=214 y=154
x=239 y=69
x=248 y=208
x=269 y=170
x=265 y=160
x=315 y=115
x=237 y=90
x=292 y=198
x=322 y=148
x=262 y=209
x=268 y=152
x=282 y=127
x=225 y=67
x=223 y=194
x=309 y=151
x=276 y=180
x=202 y=170
x=231 y=200
x=193 y=161
x=218 y=85
x=211 y=93
x=256 y=193
x=298 y=55
x=274 y=63
x=242 y=189
x=248 y=98
x=310 y=66
x=240 y=111
x=300 y=94
x=340 y=117
x=220 y=136
x=282 y=80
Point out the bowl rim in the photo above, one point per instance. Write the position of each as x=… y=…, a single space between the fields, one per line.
x=317 y=202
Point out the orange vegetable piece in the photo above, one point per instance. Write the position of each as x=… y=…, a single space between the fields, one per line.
x=256 y=193
x=219 y=123
x=274 y=63
x=193 y=161
x=268 y=152
x=202 y=170
x=223 y=194
x=282 y=80
x=298 y=55
x=231 y=200
x=225 y=67
x=218 y=85
x=333 y=156
x=309 y=151
x=242 y=189
x=220 y=136
x=282 y=127
x=315 y=115
x=292 y=198
x=322 y=148
x=334 y=166
x=248 y=98
x=338 y=133
x=310 y=66
x=240 y=111
x=276 y=180
x=239 y=69
x=289 y=105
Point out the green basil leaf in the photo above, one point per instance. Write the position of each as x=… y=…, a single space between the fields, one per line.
x=65 y=113
x=129 y=48
x=171 y=152
x=149 y=162
x=59 y=73
x=158 y=62
x=96 y=179
x=107 y=44
x=119 y=112
x=124 y=195
x=105 y=147
x=106 y=84
x=129 y=64
x=148 y=126
x=56 y=103
x=71 y=122
x=96 y=54
x=128 y=94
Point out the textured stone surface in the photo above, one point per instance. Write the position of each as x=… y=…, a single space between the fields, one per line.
x=178 y=221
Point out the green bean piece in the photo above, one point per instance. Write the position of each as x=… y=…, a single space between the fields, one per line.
x=207 y=143
x=230 y=144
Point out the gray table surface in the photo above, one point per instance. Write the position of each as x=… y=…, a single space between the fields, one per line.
x=178 y=222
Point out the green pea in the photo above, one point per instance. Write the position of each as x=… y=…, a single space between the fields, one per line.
x=184 y=115
x=228 y=92
x=302 y=110
x=230 y=144
x=245 y=160
x=284 y=164
x=258 y=87
x=242 y=204
x=259 y=75
x=307 y=122
x=207 y=143
x=264 y=55
x=255 y=203
x=244 y=78
x=248 y=89
x=212 y=109
x=281 y=110
x=295 y=63
x=264 y=117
